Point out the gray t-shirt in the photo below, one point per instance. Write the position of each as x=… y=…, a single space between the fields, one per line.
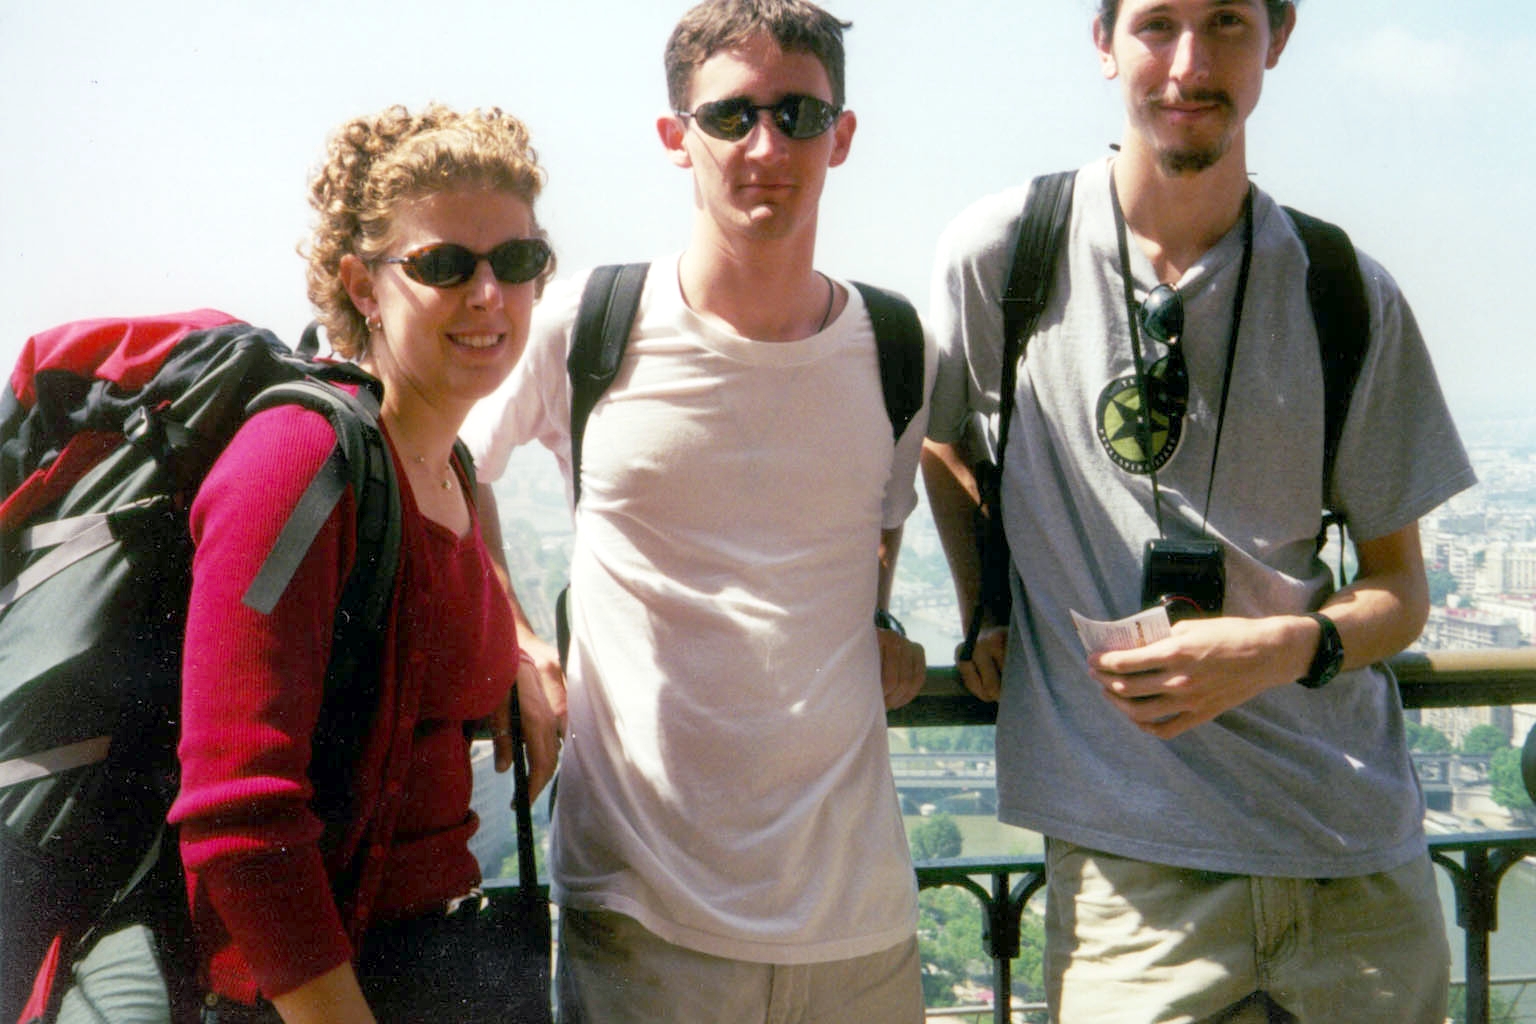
x=1297 y=782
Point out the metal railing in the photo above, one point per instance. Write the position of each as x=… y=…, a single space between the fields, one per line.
x=1003 y=885
x=1492 y=678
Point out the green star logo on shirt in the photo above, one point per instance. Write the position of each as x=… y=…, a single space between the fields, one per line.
x=1119 y=427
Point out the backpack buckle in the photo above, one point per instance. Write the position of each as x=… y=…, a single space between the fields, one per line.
x=143 y=429
x=146 y=429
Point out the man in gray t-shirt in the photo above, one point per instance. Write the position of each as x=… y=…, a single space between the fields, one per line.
x=1233 y=823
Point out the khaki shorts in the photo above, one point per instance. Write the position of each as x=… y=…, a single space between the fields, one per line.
x=1129 y=942
x=610 y=970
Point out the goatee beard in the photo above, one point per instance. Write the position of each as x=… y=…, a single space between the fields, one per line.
x=1193 y=160
x=1188 y=161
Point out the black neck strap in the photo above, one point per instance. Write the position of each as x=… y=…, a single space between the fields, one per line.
x=1237 y=322
x=1132 y=309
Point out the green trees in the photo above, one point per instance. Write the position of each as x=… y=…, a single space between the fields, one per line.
x=1504 y=773
x=935 y=837
x=1426 y=739
x=954 y=953
x=1484 y=739
x=948 y=919
x=1508 y=784
x=969 y=739
x=950 y=928
x=949 y=925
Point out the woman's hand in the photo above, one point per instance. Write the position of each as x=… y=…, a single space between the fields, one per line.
x=543 y=721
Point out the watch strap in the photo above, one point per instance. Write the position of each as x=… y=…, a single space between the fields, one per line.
x=1329 y=656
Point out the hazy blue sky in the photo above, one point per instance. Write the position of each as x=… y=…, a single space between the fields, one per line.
x=155 y=153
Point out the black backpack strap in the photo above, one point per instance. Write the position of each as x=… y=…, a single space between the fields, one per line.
x=1342 y=316
x=604 y=319
x=1042 y=236
x=899 y=344
x=360 y=460
x=1042 y=231
x=603 y=322
x=466 y=463
x=522 y=807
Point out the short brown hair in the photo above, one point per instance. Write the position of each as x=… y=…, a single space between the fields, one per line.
x=1109 y=11
x=378 y=162
x=716 y=25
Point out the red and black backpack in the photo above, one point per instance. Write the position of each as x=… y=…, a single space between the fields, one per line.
x=107 y=428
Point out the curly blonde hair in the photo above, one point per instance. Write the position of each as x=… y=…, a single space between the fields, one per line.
x=375 y=163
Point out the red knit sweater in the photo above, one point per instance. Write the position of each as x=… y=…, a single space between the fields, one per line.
x=260 y=885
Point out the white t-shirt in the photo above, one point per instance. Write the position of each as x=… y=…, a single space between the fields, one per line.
x=726 y=780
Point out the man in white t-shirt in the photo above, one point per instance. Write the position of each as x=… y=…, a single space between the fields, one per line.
x=727 y=842
x=1234 y=830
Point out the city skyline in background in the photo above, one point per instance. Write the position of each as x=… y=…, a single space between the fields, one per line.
x=157 y=153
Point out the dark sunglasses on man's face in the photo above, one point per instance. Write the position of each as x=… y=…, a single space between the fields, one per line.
x=447 y=264
x=796 y=116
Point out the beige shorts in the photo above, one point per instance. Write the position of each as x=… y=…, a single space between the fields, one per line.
x=610 y=970
x=1129 y=942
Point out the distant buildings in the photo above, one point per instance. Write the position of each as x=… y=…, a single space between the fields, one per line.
x=1485 y=541
x=1461 y=629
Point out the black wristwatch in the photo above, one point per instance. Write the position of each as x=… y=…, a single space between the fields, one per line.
x=885 y=620
x=1330 y=653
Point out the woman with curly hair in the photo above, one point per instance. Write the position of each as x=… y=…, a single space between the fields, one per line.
x=423 y=267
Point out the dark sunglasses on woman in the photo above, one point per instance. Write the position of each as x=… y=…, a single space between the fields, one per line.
x=796 y=116
x=447 y=264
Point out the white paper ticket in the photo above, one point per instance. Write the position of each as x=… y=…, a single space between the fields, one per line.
x=1137 y=631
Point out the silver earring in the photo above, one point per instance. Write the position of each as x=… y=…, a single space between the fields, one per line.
x=375 y=324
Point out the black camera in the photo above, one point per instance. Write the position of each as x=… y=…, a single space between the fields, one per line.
x=1188 y=577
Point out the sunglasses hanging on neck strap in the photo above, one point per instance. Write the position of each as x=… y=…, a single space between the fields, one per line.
x=1161 y=318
